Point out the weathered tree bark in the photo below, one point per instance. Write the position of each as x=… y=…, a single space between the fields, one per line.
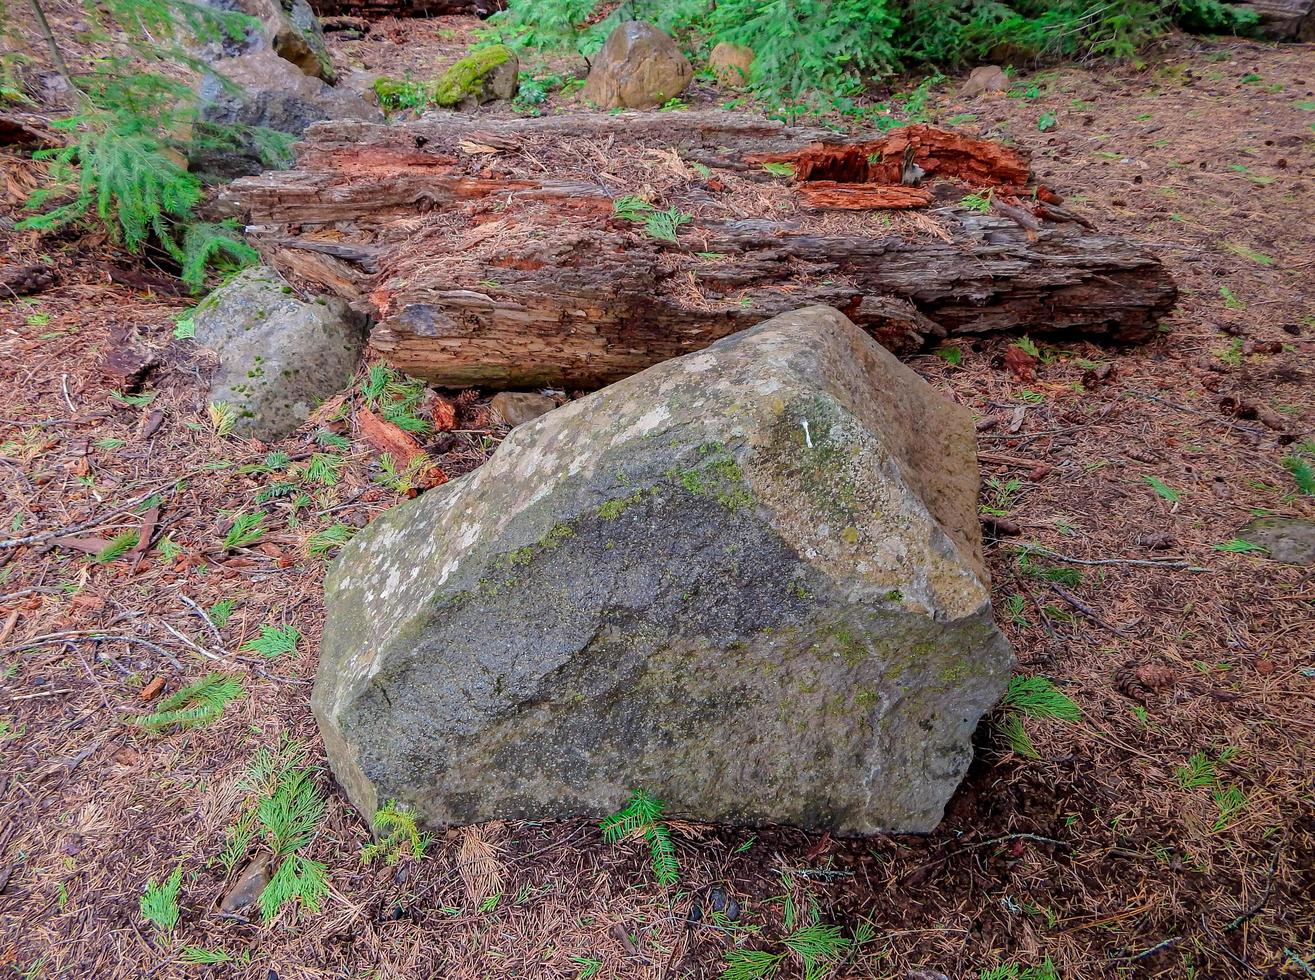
x=405 y=8
x=1285 y=20
x=490 y=253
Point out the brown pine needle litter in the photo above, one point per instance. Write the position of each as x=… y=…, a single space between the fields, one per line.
x=1168 y=832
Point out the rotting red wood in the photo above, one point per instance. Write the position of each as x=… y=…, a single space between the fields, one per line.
x=939 y=152
x=489 y=253
x=862 y=197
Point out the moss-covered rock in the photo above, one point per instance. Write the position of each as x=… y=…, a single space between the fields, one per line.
x=749 y=580
x=278 y=356
x=482 y=76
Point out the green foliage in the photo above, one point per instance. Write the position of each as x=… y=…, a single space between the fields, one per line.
x=223 y=417
x=1015 y=734
x=159 y=902
x=641 y=817
x=120 y=545
x=1037 y=697
x=818 y=947
x=1163 y=489
x=324 y=469
x=274 y=641
x=246 y=529
x=122 y=169
x=283 y=810
x=810 y=48
x=1302 y=471
x=1198 y=773
x=201 y=956
x=398 y=836
x=406 y=479
x=1012 y=971
x=396 y=397
x=192 y=706
x=222 y=611
x=334 y=536
x=662 y=225
x=1239 y=546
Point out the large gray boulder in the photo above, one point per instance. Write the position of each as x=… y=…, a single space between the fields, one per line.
x=289 y=28
x=749 y=580
x=279 y=357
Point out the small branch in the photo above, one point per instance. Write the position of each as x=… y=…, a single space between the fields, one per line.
x=1086 y=610
x=1169 y=563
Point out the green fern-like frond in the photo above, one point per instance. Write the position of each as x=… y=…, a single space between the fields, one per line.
x=642 y=816
x=631 y=207
x=205 y=244
x=247 y=529
x=640 y=812
x=1015 y=735
x=298 y=879
x=159 y=902
x=818 y=946
x=664 y=225
x=325 y=469
x=1198 y=773
x=274 y=641
x=662 y=854
x=120 y=545
x=398 y=836
x=223 y=417
x=275 y=490
x=201 y=956
x=222 y=611
x=1037 y=697
x=289 y=814
x=1302 y=472
x=751 y=964
x=192 y=706
x=332 y=440
x=334 y=536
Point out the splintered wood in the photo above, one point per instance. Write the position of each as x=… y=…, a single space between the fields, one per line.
x=495 y=252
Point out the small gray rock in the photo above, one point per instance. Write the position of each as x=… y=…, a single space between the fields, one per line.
x=519 y=407
x=750 y=580
x=985 y=80
x=1290 y=540
x=639 y=67
x=278 y=357
x=250 y=883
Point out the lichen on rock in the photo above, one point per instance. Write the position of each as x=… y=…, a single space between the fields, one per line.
x=749 y=580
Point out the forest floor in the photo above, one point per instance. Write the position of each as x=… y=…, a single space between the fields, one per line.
x=1100 y=855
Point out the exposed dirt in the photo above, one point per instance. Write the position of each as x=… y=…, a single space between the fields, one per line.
x=1093 y=854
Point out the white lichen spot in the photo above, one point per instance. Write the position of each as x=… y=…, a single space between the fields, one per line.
x=700 y=363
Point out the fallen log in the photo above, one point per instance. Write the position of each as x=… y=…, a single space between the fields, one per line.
x=575 y=250
x=404 y=8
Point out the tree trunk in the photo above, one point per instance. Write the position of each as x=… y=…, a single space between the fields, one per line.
x=494 y=252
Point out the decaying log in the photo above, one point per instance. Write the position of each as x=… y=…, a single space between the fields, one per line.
x=490 y=253
x=23 y=280
x=405 y=8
